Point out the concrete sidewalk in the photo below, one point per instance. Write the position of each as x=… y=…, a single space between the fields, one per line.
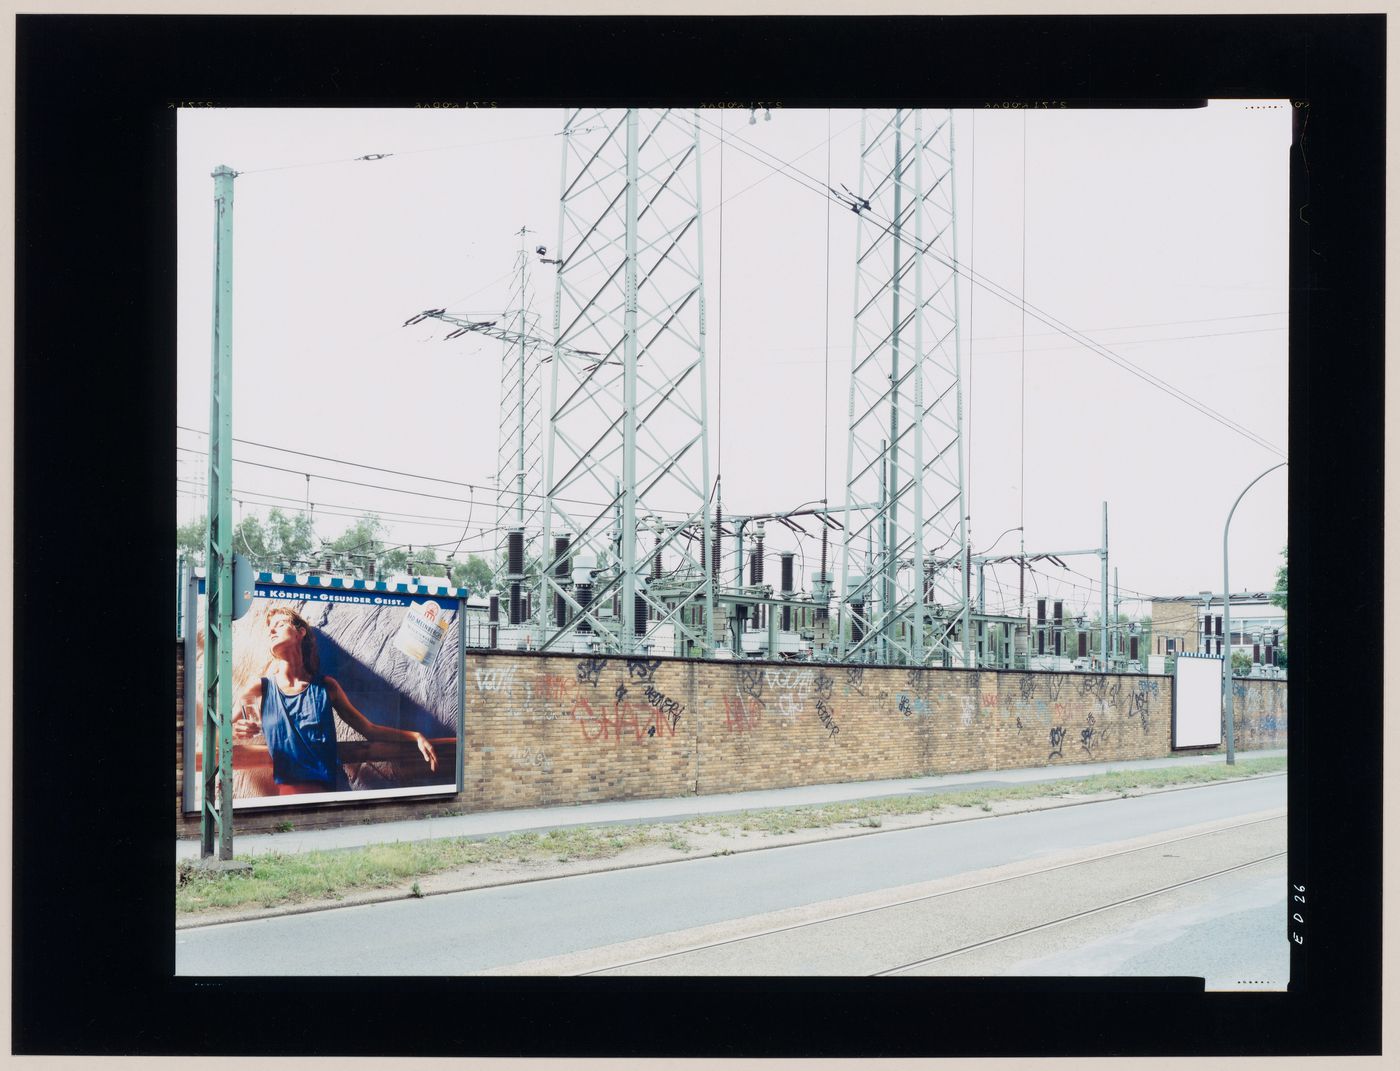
x=676 y=809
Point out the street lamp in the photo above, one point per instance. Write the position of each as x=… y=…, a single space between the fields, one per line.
x=1229 y=673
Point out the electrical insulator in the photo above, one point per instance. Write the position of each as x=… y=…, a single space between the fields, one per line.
x=583 y=593
x=515 y=604
x=560 y=611
x=493 y=613
x=515 y=552
x=561 y=555
x=639 y=614
x=787 y=560
x=714 y=550
x=656 y=559
x=492 y=636
x=857 y=630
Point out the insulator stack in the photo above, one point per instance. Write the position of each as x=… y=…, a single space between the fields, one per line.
x=493 y=613
x=823 y=611
x=515 y=552
x=857 y=629
x=561 y=555
x=583 y=593
x=714 y=549
x=656 y=560
x=560 y=611
x=515 y=605
x=639 y=614
x=756 y=564
x=786 y=575
x=492 y=633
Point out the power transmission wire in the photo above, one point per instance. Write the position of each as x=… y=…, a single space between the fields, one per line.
x=376 y=156
x=808 y=182
x=403 y=491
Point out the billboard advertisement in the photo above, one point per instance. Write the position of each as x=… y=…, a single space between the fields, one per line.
x=337 y=693
x=1196 y=701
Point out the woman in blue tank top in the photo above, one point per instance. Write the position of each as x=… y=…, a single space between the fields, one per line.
x=294 y=707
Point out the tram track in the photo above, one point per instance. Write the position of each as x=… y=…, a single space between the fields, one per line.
x=754 y=937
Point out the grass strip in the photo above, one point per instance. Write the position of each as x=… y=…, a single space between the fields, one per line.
x=298 y=877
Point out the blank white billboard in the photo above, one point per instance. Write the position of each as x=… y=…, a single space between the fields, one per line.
x=1196 y=701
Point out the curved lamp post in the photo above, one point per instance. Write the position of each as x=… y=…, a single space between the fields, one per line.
x=1229 y=671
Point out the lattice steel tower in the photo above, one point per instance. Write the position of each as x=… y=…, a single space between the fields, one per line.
x=519 y=455
x=627 y=439
x=904 y=592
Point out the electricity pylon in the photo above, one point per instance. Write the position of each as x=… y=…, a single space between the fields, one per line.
x=904 y=464
x=627 y=439
x=519 y=459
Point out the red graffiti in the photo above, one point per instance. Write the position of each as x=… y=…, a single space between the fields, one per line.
x=619 y=721
x=555 y=687
x=741 y=714
x=989 y=700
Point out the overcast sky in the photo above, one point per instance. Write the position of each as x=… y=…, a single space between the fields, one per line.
x=1161 y=235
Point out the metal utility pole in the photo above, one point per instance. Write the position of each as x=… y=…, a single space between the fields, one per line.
x=1103 y=620
x=216 y=809
x=904 y=446
x=1229 y=673
x=627 y=403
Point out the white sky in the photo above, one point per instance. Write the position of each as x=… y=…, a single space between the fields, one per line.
x=1162 y=235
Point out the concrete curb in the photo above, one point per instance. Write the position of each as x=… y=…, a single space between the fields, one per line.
x=828 y=833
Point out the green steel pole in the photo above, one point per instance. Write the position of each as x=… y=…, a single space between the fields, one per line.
x=218 y=586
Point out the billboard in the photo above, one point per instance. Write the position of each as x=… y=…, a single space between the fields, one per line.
x=336 y=693
x=1196 y=701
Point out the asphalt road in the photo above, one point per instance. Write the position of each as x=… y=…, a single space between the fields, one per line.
x=940 y=899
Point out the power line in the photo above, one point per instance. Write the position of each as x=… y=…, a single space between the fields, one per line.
x=374 y=157
x=977 y=279
x=397 y=490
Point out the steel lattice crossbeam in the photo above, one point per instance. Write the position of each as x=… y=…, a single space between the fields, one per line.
x=903 y=585
x=627 y=437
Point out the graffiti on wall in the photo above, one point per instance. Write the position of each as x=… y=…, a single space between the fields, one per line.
x=825 y=685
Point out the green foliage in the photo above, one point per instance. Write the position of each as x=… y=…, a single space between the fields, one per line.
x=282 y=537
x=364 y=536
x=190 y=539
x=1281 y=582
x=473 y=574
x=1240 y=664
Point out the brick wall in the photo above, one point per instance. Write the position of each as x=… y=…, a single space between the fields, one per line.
x=544 y=730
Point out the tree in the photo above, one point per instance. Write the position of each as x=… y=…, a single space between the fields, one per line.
x=1281 y=582
x=1240 y=664
x=364 y=536
x=281 y=538
x=190 y=539
x=474 y=574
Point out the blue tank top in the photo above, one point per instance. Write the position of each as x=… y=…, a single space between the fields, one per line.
x=300 y=732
